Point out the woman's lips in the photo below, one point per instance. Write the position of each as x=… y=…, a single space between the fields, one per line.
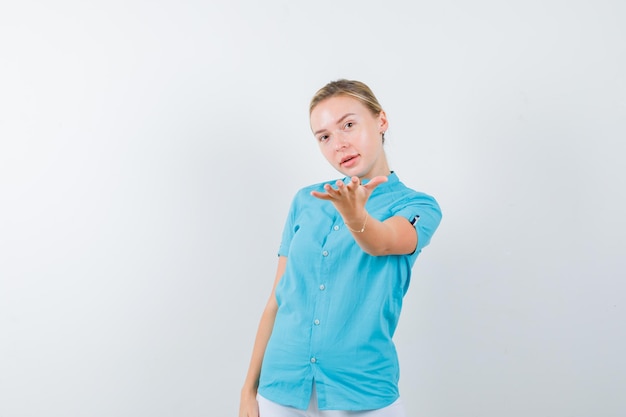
x=349 y=161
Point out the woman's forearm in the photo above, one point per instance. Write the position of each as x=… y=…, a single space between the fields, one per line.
x=263 y=334
x=262 y=337
x=394 y=236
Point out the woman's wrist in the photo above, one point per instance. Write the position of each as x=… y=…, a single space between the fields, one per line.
x=357 y=224
x=249 y=389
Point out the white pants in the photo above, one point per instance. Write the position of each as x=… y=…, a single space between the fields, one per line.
x=269 y=408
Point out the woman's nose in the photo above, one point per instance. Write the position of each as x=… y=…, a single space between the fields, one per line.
x=341 y=141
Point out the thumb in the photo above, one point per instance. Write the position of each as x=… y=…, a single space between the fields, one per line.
x=375 y=182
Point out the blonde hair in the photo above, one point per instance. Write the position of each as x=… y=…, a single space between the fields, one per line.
x=352 y=88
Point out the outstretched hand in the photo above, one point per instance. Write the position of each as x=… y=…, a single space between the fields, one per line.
x=349 y=199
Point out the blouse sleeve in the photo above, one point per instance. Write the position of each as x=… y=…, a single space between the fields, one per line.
x=423 y=212
x=289 y=228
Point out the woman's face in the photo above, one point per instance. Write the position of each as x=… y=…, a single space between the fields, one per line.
x=350 y=136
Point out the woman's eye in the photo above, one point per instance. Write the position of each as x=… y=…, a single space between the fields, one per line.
x=323 y=138
x=349 y=125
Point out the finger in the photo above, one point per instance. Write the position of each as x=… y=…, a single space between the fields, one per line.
x=321 y=196
x=354 y=183
x=332 y=192
x=375 y=182
x=329 y=194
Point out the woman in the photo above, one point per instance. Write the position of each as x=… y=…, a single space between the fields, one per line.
x=324 y=344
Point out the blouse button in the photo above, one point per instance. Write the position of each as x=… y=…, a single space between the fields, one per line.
x=322 y=287
x=325 y=253
x=313 y=360
x=316 y=322
x=336 y=228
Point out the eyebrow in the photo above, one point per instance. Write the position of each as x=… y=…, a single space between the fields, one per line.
x=341 y=119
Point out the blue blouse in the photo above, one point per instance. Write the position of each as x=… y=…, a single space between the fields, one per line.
x=338 y=307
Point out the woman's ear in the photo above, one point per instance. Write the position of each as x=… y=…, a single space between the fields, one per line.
x=383 y=124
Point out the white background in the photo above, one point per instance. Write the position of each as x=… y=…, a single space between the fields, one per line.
x=149 y=151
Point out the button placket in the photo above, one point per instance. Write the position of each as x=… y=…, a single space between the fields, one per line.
x=321 y=300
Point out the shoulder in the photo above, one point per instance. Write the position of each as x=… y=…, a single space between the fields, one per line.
x=402 y=197
x=420 y=197
x=396 y=188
